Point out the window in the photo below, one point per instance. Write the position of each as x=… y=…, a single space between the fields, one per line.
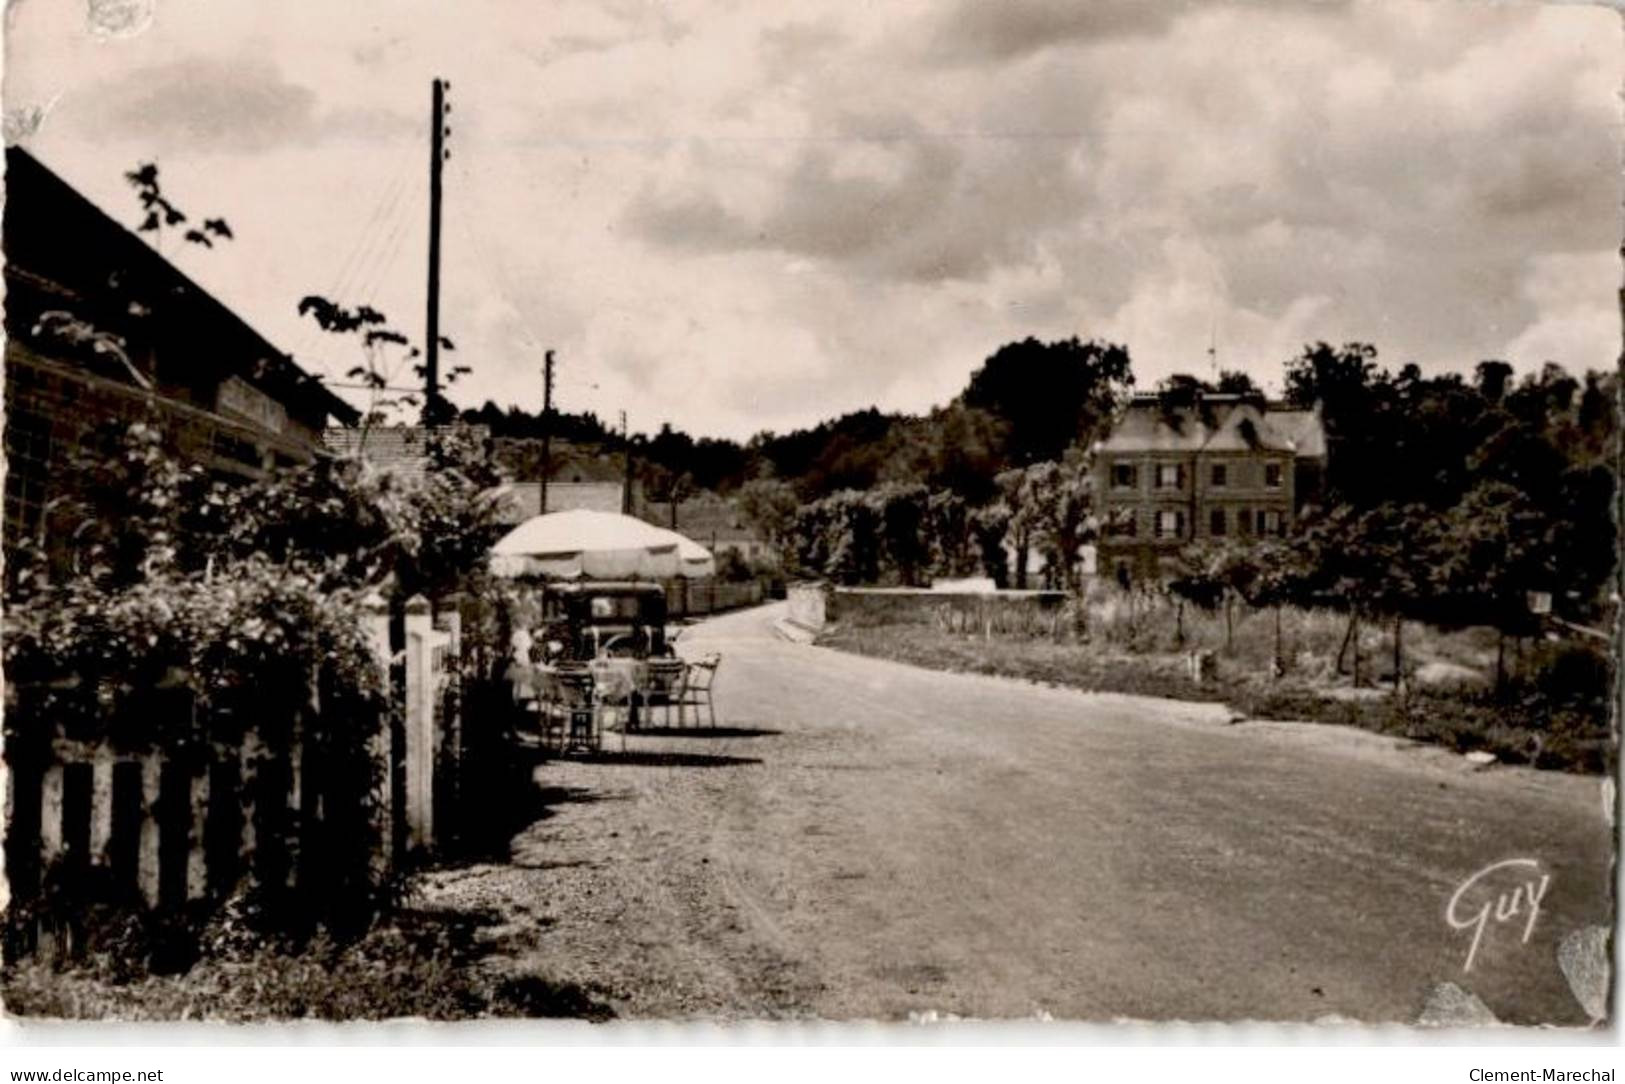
x=1216 y=523
x=235 y=448
x=1218 y=476
x=1170 y=524
x=28 y=460
x=1123 y=475
x=1244 y=521
x=1120 y=523
x=1271 y=522
x=1170 y=475
x=1272 y=475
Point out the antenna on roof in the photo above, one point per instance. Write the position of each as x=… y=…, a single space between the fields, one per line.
x=1213 y=349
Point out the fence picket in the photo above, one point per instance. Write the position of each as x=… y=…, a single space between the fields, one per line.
x=101 y=806
x=50 y=841
x=197 y=869
x=175 y=823
x=147 y=853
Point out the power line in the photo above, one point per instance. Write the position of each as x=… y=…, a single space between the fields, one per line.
x=383 y=206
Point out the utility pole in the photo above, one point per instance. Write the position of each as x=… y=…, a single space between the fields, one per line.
x=431 y=346
x=626 y=486
x=547 y=427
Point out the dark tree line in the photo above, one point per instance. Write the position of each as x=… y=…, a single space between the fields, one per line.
x=1026 y=404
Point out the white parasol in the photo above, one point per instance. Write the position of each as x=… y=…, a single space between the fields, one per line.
x=583 y=544
x=694 y=560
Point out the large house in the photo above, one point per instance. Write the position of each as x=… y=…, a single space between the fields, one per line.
x=101 y=329
x=1183 y=468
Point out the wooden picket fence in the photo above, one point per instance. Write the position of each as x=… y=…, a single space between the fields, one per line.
x=265 y=802
x=696 y=598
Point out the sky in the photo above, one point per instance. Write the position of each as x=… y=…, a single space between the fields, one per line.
x=739 y=217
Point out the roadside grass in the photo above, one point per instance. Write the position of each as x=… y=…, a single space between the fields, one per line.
x=415 y=963
x=1551 y=713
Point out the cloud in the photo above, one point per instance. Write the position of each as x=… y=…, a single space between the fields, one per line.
x=972 y=30
x=214 y=104
x=1577 y=321
x=884 y=199
x=783 y=217
x=792 y=46
x=694 y=220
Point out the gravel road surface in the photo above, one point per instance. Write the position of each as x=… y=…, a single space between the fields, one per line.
x=865 y=840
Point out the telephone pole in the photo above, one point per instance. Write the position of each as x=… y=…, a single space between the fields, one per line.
x=431 y=346
x=626 y=486
x=547 y=427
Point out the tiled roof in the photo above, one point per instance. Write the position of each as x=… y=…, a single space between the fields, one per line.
x=398 y=449
x=1246 y=428
x=1216 y=423
x=1304 y=429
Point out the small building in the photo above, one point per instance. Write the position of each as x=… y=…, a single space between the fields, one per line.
x=1196 y=466
x=101 y=330
x=401 y=450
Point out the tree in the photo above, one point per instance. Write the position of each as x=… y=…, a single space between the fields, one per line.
x=1018 y=516
x=667 y=486
x=158 y=212
x=1196 y=581
x=989 y=526
x=1277 y=581
x=1051 y=395
x=1338 y=378
x=1493 y=378
x=902 y=516
x=951 y=533
x=1237 y=382
x=377 y=337
x=1212 y=576
x=1500 y=551
x=769 y=506
x=1057 y=499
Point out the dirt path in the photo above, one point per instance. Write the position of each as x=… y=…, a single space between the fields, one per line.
x=867 y=840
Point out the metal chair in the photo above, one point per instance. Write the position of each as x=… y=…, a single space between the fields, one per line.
x=550 y=708
x=614 y=694
x=664 y=681
x=696 y=692
x=575 y=708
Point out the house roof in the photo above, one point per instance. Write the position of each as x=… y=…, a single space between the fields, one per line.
x=1304 y=429
x=54 y=233
x=1247 y=428
x=395 y=449
x=1214 y=423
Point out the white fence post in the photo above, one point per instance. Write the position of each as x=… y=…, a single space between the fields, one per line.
x=419 y=725
x=50 y=824
x=101 y=805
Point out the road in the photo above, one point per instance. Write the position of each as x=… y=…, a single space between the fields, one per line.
x=865 y=840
